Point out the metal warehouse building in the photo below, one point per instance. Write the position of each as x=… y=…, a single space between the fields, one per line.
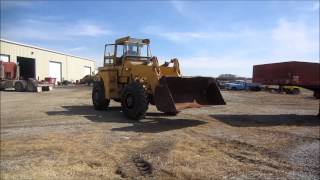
x=39 y=63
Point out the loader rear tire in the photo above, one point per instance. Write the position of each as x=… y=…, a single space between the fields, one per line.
x=134 y=101
x=98 y=97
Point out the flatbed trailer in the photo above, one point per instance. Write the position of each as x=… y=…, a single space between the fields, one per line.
x=293 y=73
x=29 y=85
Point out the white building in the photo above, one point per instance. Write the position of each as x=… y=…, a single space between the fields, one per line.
x=39 y=63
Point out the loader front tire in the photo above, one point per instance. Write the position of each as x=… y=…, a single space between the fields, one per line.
x=98 y=97
x=134 y=101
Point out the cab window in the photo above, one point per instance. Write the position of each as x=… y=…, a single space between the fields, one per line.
x=132 y=50
x=109 y=54
x=140 y=50
x=120 y=51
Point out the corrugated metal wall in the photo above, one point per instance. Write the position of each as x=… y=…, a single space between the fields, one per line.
x=72 y=67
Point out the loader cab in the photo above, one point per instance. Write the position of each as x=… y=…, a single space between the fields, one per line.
x=138 y=50
x=127 y=49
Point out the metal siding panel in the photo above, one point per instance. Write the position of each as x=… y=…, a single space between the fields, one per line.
x=72 y=67
x=55 y=70
x=77 y=64
x=87 y=70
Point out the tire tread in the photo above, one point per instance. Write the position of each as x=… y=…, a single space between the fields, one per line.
x=141 y=99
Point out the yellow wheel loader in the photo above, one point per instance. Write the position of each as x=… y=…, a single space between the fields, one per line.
x=134 y=78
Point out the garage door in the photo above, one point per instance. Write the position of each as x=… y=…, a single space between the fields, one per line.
x=87 y=70
x=55 y=70
x=4 y=58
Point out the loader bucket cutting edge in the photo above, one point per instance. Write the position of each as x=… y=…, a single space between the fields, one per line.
x=177 y=93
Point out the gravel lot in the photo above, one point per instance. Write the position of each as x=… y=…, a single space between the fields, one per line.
x=257 y=135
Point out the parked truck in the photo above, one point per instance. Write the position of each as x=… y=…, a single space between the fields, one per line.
x=10 y=78
x=242 y=85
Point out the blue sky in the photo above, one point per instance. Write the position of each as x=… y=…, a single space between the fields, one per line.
x=208 y=37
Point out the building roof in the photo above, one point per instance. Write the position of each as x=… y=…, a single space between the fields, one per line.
x=43 y=49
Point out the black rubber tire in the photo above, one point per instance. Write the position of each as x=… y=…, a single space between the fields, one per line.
x=99 y=100
x=151 y=100
x=288 y=91
x=31 y=86
x=19 y=87
x=295 y=91
x=136 y=107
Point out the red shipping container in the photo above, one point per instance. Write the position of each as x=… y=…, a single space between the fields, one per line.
x=304 y=74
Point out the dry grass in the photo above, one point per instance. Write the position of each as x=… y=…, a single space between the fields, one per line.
x=71 y=143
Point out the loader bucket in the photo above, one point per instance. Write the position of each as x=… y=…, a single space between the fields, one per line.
x=177 y=93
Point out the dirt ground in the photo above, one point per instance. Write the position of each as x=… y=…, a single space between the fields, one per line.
x=257 y=135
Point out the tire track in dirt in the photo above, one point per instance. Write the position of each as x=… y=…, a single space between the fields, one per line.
x=255 y=157
x=147 y=162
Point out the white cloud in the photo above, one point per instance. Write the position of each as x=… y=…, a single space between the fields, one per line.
x=316 y=6
x=54 y=29
x=83 y=29
x=186 y=9
x=187 y=36
x=173 y=36
x=30 y=29
x=79 y=48
x=207 y=62
x=238 y=63
x=285 y=41
x=17 y=3
x=179 y=6
x=294 y=39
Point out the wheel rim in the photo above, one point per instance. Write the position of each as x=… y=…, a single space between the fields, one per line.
x=129 y=101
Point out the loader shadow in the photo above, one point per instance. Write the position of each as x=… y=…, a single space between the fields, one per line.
x=268 y=120
x=153 y=123
x=156 y=125
x=157 y=114
x=112 y=114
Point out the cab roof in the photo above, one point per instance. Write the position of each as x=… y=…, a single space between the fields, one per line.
x=128 y=39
